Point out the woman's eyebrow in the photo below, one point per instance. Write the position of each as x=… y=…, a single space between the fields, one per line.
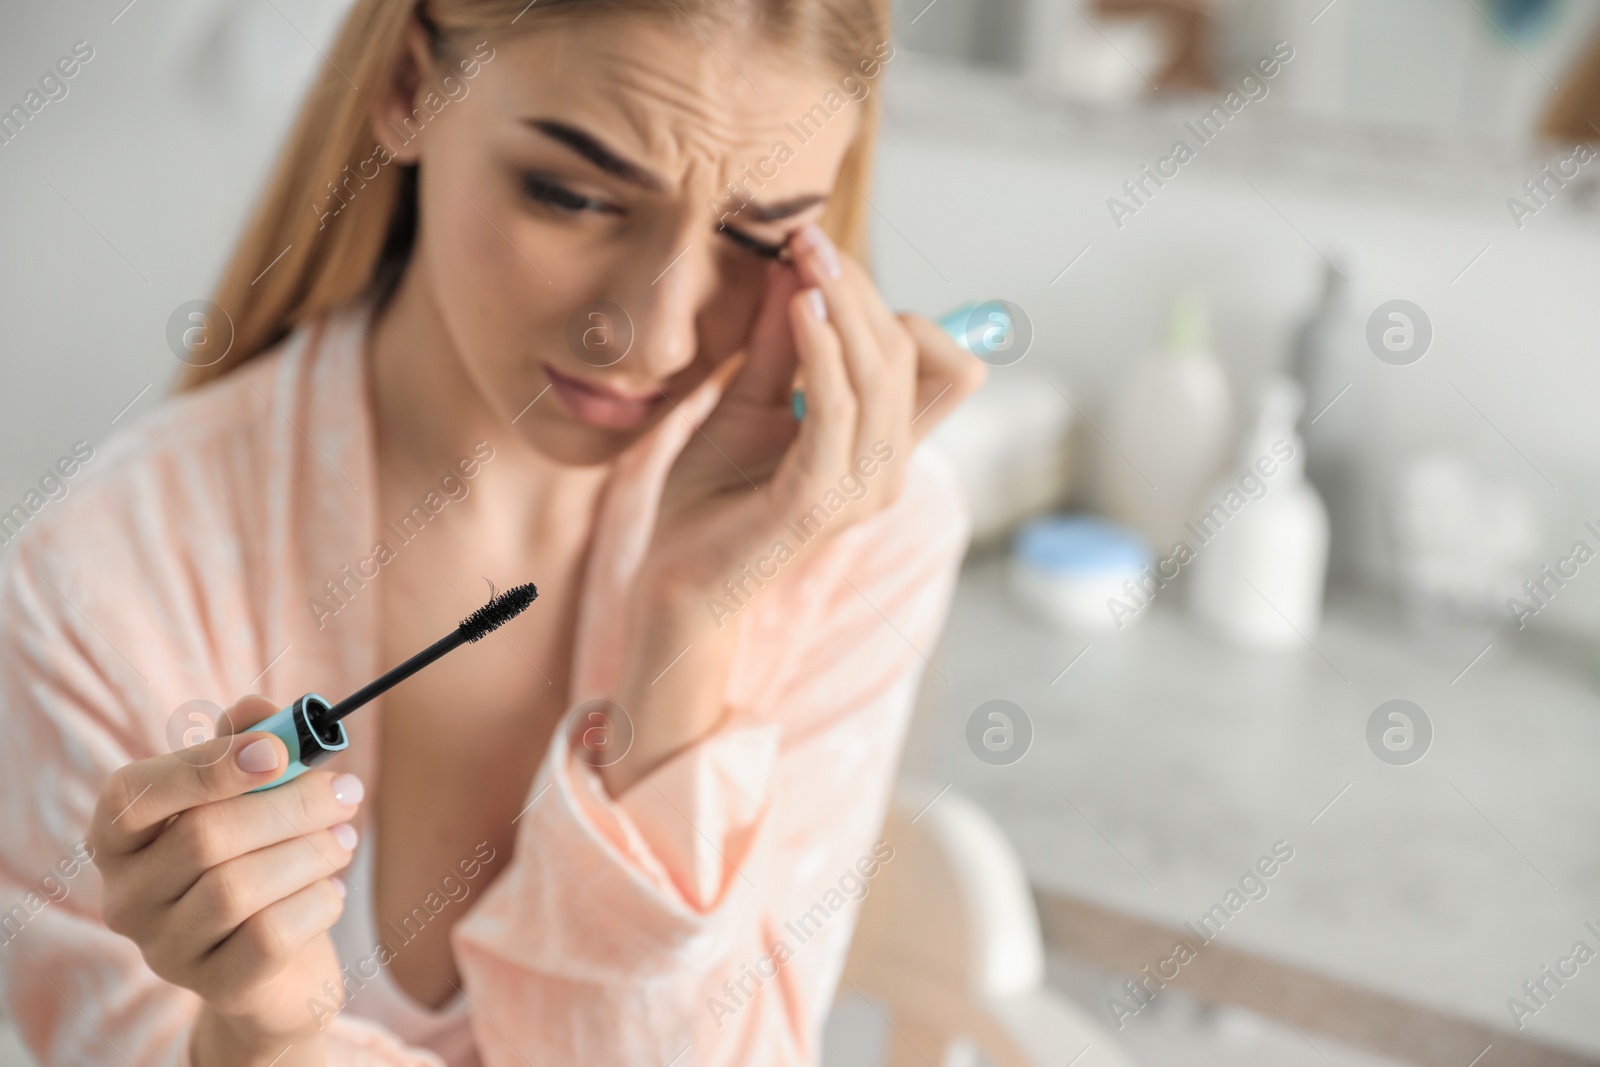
x=783 y=209
x=595 y=151
x=591 y=148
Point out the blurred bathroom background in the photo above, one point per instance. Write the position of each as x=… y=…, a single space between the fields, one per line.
x=1341 y=346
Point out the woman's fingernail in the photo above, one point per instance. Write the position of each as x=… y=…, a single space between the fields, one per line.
x=338 y=883
x=827 y=254
x=346 y=835
x=348 y=790
x=819 y=306
x=258 y=756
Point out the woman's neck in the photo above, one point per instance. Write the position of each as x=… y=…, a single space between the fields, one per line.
x=430 y=417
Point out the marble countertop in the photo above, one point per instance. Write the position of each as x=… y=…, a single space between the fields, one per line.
x=1165 y=764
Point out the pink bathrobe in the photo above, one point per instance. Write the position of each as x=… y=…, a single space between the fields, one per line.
x=701 y=918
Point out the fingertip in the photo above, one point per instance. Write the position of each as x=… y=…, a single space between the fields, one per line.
x=346 y=836
x=809 y=309
x=817 y=304
x=260 y=754
x=813 y=239
x=973 y=373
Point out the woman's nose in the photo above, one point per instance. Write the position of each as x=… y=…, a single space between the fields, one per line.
x=662 y=298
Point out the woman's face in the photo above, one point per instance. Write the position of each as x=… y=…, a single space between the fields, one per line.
x=570 y=192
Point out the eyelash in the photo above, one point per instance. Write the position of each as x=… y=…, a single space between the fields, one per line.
x=751 y=244
x=551 y=194
x=564 y=200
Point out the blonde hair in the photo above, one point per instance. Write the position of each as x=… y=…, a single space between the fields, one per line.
x=292 y=264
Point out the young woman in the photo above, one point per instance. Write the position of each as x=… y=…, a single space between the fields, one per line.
x=525 y=300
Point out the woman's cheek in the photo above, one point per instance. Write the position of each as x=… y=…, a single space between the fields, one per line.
x=725 y=324
x=477 y=299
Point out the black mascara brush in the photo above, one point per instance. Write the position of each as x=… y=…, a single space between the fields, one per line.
x=310 y=726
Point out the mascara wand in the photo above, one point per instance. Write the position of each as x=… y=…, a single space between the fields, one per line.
x=310 y=727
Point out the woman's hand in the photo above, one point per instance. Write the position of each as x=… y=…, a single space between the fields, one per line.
x=228 y=893
x=875 y=383
x=752 y=490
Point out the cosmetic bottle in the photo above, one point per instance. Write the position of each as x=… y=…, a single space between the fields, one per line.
x=1258 y=575
x=1169 y=430
x=1340 y=378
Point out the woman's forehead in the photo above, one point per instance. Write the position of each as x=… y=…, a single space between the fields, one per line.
x=663 y=94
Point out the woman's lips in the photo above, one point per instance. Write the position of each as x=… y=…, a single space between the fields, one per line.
x=597 y=405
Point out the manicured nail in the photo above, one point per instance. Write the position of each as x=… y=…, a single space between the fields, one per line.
x=348 y=790
x=258 y=756
x=827 y=255
x=819 y=306
x=346 y=835
x=338 y=883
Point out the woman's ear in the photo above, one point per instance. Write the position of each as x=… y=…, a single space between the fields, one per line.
x=397 y=118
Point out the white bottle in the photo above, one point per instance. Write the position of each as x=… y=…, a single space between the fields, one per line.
x=1258 y=576
x=1169 y=431
x=1341 y=381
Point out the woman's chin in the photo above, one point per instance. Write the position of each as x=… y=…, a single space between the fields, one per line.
x=571 y=443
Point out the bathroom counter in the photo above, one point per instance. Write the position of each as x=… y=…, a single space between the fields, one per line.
x=1419 y=898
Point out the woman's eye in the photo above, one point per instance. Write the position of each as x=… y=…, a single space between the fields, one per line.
x=544 y=191
x=753 y=244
